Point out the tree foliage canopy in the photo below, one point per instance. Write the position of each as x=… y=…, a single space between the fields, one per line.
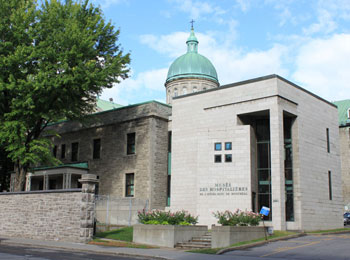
x=55 y=58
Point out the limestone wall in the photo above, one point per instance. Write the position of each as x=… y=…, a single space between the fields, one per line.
x=344 y=134
x=50 y=215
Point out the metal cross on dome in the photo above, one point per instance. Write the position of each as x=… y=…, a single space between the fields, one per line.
x=192 y=22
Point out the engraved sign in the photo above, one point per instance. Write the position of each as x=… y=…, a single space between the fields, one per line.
x=223 y=189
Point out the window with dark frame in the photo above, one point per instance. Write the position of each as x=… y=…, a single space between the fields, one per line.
x=75 y=148
x=228 y=157
x=63 y=151
x=228 y=145
x=129 y=185
x=97 y=149
x=327 y=132
x=130 y=149
x=330 y=185
x=217 y=147
x=217 y=158
x=54 y=151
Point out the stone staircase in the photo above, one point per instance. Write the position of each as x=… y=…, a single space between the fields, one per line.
x=196 y=242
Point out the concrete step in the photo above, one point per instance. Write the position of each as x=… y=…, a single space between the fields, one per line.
x=198 y=242
x=193 y=245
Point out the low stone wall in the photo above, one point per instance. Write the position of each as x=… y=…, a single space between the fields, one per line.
x=223 y=236
x=62 y=215
x=165 y=235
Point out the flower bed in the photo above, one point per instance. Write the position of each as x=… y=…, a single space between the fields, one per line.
x=164 y=228
x=159 y=217
x=237 y=226
x=238 y=218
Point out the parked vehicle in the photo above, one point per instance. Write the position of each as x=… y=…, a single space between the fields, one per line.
x=346 y=218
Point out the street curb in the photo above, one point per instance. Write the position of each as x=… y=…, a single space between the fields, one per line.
x=225 y=250
x=23 y=244
x=329 y=233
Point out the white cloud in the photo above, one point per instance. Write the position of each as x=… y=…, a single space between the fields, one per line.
x=124 y=93
x=325 y=24
x=231 y=63
x=107 y=3
x=244 y=5
x=198 y=9
x=322 y=66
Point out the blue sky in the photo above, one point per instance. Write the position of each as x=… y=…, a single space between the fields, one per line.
x=305 y=41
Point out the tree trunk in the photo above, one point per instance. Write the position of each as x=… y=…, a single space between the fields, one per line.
x=20 y=179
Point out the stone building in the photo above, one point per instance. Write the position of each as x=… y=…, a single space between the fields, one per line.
x=126 y=147
x=344 y=139
x=260 y=142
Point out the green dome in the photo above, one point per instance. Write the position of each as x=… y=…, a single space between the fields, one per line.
x=192 y=64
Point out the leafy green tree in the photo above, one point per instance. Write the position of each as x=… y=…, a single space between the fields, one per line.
x=55 y=58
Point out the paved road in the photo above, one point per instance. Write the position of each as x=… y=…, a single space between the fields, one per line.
x=27 y=253
x=326 y=247
x=329 y=247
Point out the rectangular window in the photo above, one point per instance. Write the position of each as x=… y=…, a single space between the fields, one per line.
x=75 y=147
x=217 y=147
x=217 y=158
x=228 y=157
x=63 y=151
x=228 y=146
x=264 y=198
x=97 y=149
x=169 y=141
x=54 y=151
x=330 y=185
x=327 y=132
x=129 y=185
x=130 y=149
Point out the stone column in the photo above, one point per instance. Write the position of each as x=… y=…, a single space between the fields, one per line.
x=87 y=219
x=277 y=168
x=46 y=182
x=28 y=182
x=67 y=180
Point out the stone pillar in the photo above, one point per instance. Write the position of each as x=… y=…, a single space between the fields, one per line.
x=46 y=182
x=28 y=182
x=87 y=219
x=277 y=168
x=67 y=180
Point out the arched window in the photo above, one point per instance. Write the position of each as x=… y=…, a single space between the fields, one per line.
x=348 y=114
x=204 y=88
x=194 y=89
x=175 y=92
x=184 y=90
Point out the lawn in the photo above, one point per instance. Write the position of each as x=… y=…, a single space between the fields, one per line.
x=122 y=234
x=121 y=238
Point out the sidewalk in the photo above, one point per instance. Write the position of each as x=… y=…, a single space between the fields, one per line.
x=164 y=253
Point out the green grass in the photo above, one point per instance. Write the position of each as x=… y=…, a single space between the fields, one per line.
x=276 y=234
x=122 y=234
x=328 y=231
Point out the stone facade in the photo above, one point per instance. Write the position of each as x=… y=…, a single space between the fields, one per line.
x=220 y=115
x=64 y=215
x=344 y=135
x=149 y=122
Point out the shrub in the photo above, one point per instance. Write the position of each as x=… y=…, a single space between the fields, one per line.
x=158 y=217
x=238 y=218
